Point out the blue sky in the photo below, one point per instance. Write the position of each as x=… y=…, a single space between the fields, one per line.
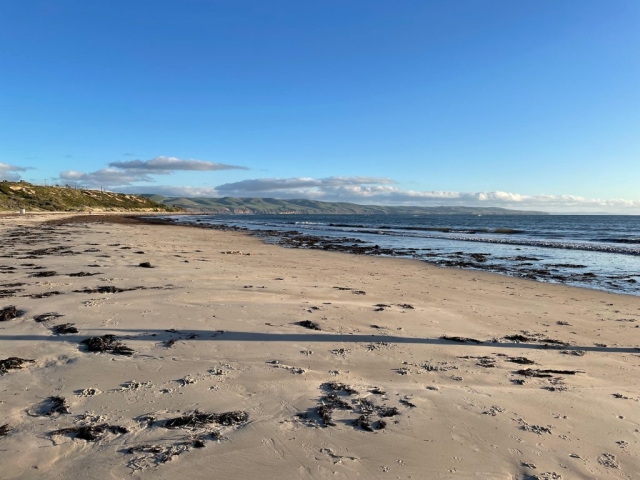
x=524 y=104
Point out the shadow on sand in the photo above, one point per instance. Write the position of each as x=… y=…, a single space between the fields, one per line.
x=129 y=335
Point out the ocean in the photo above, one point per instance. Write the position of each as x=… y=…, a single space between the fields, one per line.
x=596 y=251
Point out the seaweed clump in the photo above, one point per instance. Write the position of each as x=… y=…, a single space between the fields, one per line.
x=13 y=363
x=309 y=324
x=460 y=339
x=197 y=419
x=55 y=406
x=65 y=329
x=107 y=343
x=9 y=313
x=90 y=433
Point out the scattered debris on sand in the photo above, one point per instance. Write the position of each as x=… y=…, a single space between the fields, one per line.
x=65 y=329
x=520 y=360
x=45 y=294
x=406 y=306
x=53 y=406
x=107 y=343
x=9 y=313
x=537 y=429
x=309 y=324
x=365 y=424
x=608 y=460
x=108 y=289
x=44 y=274
x=89 y=392
x=198 y=419
x=460 y=339
x=84 y=274
x=159 y=453
x=13 y=363
x=339 y=387
x=90 y=433
x=5 y=430
x=45 y=317
x=545 y=373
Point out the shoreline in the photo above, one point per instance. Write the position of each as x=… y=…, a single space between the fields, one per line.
x=467 y=262
x=222 y=323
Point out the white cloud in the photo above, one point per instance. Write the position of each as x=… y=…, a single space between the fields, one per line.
x=108 y=177
x=164 y=165
x=173 y=190
x=10 y=172
x=123 y=174
x=363 y=190
x=384 y=192
x=284 y=184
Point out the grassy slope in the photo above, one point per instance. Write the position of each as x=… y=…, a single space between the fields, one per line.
x=17 y=195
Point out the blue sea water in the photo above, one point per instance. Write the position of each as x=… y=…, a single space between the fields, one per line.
x=595 y=251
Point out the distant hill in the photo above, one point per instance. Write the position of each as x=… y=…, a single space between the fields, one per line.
x=17 y=195
x=230 y=205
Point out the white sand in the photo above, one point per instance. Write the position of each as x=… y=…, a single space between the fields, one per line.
x=457 y=419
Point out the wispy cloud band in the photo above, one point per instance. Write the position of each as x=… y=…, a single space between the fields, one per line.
x=370 y=190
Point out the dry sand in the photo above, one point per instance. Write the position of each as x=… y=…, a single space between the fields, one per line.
x=217 y=332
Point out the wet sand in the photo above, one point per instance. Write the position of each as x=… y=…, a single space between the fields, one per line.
x=236 y=359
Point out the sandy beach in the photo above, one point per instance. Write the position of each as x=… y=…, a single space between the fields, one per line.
x=237 y=359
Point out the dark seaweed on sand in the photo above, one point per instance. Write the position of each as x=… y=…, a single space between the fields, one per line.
x=328 y=404
x=45 y=317
x=406 y=306
x=44 y=274
x=10 y=292
x=519 y=338
x=520 y=360
x=4 y=430
x=388 y=411
x=107 y=343
x=90 y=433
x=13 y=363
x=460 y=339
x=9 y=313
x=65 y=329
x=309 y=324
x=339 y=387
x=44 y=295
x=546 y=373
x=199 y=419
x=83 y=274
x=55 y=406
x=365 y=424
x=107 y=289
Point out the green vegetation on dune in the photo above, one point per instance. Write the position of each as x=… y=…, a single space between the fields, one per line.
x=229 y=205
x=17 y=195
